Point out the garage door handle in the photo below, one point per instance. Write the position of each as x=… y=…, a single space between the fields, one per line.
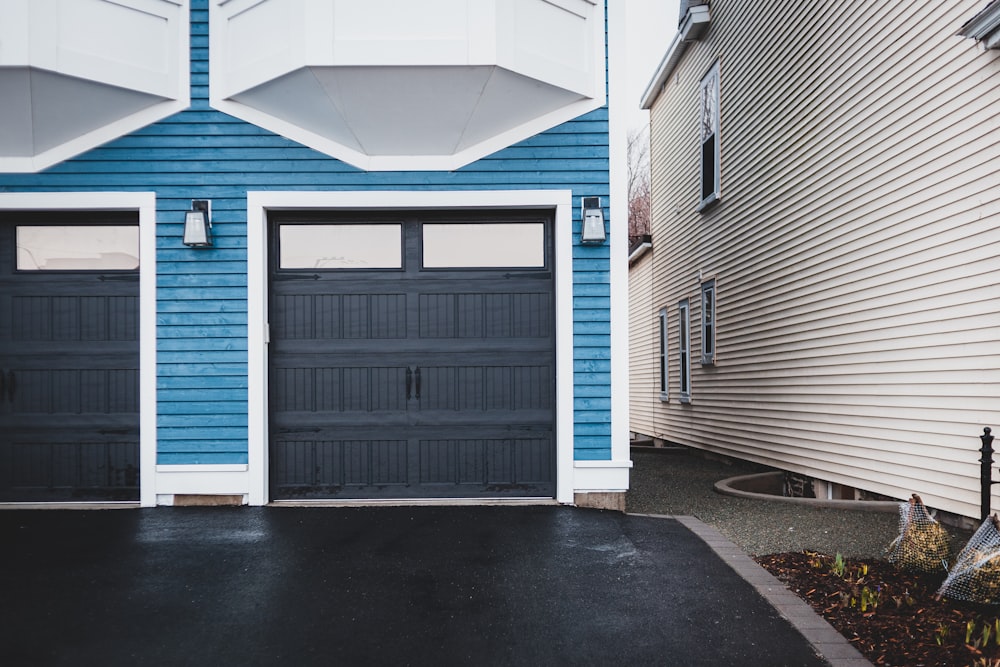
x=418 y=383
x=409 y=381
x=12 y=386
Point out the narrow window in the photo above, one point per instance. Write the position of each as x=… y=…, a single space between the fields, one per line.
x=709 y=114
x=684 y=350
x=708 y=322
x=664 y=359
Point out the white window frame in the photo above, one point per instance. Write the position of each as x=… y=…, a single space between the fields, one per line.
x=708 y=322
x=663 y=356
x=684 y=349
x=708 y=133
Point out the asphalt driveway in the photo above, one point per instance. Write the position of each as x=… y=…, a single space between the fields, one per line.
x=539 y=585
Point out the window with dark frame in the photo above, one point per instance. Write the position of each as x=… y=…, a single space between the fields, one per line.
x=684 y=349
x=708 y=322
x=709 y=123
x=664 y=359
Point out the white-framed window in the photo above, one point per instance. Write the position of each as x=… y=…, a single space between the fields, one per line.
x=708 y=322
x=684 y=349
x=709 y=134
x=664 y=359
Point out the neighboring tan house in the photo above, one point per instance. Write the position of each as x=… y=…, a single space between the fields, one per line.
x=822 y=293
x=406 y=293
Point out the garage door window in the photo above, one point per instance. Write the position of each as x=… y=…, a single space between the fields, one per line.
x=348 y=246
x=484 y=245
x=77 y=247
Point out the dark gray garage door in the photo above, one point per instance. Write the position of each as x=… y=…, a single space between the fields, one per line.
x=69 y=357
x=412 y=355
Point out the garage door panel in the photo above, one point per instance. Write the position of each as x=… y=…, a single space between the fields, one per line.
x=318 y=468
x=486 y=388
x=339 y=390
x=503 y=316
x=339 y=316
x=412 y=383
x=60 y=392
x=39 y=469
x=74 y=318
x=512 y=464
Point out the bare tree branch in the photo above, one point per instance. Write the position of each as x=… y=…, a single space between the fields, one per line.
x=638 y=183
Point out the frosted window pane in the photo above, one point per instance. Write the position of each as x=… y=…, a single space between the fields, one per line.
x=484 y=245
x=341 y=247
x=77 y=248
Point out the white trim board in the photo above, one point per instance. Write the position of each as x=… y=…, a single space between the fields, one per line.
x=145 y=204
x=260 y=202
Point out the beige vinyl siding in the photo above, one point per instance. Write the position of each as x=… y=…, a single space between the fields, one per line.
x=856 y=246
x=643 y=327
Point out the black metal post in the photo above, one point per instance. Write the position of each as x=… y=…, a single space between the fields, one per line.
x=985 y=474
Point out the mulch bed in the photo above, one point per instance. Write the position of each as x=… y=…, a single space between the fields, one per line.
x=892 y=616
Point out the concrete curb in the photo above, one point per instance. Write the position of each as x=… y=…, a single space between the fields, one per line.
x=825 y=640
x=730 y=487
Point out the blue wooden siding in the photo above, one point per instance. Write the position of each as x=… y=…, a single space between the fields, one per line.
x=202 y=293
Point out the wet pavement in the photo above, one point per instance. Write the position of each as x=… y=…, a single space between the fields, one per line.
x=539 y=585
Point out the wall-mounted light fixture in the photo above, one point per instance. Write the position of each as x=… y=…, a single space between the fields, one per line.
x=198 y=224
x=592 y=231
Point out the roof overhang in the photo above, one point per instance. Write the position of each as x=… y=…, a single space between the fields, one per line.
x=694 y=25
x=984 y=27
x=75 y=74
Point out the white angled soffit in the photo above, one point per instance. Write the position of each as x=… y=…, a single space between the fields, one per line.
x=75 y=74
x=694 y=25
x=398 y=84
x=984 y=27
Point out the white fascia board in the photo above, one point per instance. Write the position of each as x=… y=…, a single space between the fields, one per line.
x=694 y=26
x=639 y=251
x=985 y=26
x=144 y=203
x=258 y=205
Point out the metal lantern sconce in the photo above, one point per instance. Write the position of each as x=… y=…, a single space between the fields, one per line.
x=198 y=224
x=592 y=230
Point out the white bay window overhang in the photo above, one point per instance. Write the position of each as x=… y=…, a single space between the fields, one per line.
x=397 y=84
x=75 y=74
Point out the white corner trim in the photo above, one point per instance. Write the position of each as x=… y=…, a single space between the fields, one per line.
x=260 y=202
x=145 y=204
x=618 y=68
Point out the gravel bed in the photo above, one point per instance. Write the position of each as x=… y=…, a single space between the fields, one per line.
x=681 y=483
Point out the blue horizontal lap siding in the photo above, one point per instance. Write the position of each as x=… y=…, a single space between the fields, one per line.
x=202 y=293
